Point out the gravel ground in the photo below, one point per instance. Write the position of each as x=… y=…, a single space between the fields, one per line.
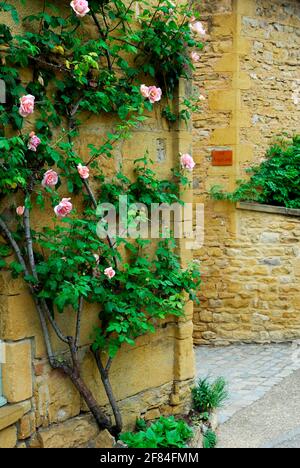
x=271 y=422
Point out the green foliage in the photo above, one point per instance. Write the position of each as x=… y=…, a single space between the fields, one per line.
x=103 y=73
x=148 y=287
x=276 y=181
x=166 y=432
x=209 y=439
x=209 y=396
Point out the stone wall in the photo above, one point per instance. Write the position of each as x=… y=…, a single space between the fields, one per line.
x=249 y=72
x=152 y=378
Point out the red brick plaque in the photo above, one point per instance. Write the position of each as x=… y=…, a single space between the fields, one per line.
x=222 y=158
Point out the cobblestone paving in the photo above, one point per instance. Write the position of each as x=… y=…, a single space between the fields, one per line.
x=250 y=370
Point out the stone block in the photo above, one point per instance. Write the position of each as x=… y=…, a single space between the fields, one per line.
x=105 y=440
x=8 y=437
x=10 y=414
x=227 y=63
x=19 y=319
x=56 y=398
x=27 y=426
x=221 y=100
x=75 y=433
x=184 y=359
x=223 y=136
x=152 y=414
x=17 y=372
x=223 y=25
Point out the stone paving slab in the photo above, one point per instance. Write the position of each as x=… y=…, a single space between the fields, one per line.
x=251 y=370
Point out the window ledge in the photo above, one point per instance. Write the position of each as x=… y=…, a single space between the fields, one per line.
x=9 y=414
x=268 y=209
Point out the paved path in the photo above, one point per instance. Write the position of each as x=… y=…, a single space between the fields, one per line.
x=250 y=370
x=271 y=422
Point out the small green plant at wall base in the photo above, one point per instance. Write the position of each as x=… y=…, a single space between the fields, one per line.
x=209 y=439
x=209 y=396
x=164 y=433
x=276 y=181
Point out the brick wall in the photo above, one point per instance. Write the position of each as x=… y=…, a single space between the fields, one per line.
x=250 y=75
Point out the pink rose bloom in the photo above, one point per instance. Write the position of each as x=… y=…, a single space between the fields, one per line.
x=197 y=28
x=64 y=208
x=83 y=171
x=34 y=142
x=195 y=57
x=144 y=91
x=109 y=272
x=50 y=178
x=81 y=7
x=155 y=94
x=20 y=210
x=187 y=162
x=26 y=105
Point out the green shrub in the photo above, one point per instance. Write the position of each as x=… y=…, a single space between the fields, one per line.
x=209 y=439
x=209 y=396
x=276 y=181
x=166 y=432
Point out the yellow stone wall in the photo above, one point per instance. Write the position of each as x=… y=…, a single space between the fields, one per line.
x=150 y=379
x=250 y=74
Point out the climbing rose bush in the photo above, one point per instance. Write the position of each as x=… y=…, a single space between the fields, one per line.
x=102 y=58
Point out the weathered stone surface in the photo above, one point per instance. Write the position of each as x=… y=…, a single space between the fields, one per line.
x=56 y=398
x=249 y=76
x=75 y=433
x=27 y=426
x=152 y=414
x=105 y=440
x=17 y=372
x=214 y=421
x=197 y=440
x=9 y=414
x=8 y=437
x=138 y=361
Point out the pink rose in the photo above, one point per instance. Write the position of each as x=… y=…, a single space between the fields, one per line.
x=154 y=94
x=144 y=91
x=195 y=57
x=109 y=272
x=187 y=162
x=83 y=171
x=26 y=105
x=64 y=208
x=50 y=178
x=34 y=142
x=81 y=7
x=20 y=210
x=197 y=28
